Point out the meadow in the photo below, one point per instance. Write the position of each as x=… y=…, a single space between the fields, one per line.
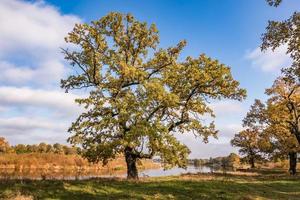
x=270 y=184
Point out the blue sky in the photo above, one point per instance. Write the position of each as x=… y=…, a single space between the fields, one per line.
x=32 y=106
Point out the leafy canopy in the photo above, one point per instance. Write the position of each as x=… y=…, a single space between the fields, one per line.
x=140 y=94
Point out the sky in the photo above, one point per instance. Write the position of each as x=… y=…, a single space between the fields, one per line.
x=34 y=109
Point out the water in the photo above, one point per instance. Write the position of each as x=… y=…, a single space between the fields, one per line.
x=38 y=174
x=174 y=171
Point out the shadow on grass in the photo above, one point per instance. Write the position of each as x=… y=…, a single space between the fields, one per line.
x=229 y=187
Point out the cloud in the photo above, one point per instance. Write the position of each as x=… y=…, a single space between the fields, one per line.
x=33 y=108
x=15 y=75
x=32 y=26
x=229 y=130
x=226 y=107
x=39 y=98
x=215 y=147
x=23 y=124
x=269 y=61
x=32 y=33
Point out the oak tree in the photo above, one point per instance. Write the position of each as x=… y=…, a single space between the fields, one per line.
x=287 y=33
x=248 y=141
x=140 y=95
x=284 y=115
x=277 y=121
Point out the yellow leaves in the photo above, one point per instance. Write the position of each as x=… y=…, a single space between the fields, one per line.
x=130 y=73
x=137 y=102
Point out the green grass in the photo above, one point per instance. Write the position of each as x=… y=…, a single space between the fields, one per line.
x=269 y=186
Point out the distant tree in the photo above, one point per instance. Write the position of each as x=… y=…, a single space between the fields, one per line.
x=137 y=102
x=42 y=148
x=49 y=148
x=4 y=146
x=234 y=160
x=20 y=148
x=58 y=148
x=32 y=148
x=248 y=143
x=69 y=150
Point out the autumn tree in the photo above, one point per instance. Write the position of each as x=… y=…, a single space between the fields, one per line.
x=248 y=143
x=251 y=142
x=277 y=121
x=287 y=33
x=58 y=148
x=4 y=145
x=284 y=115
x=20 y=148
x=234 y=160
x=140 y=95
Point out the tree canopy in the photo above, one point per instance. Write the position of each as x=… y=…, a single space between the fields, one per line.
x=140 y=95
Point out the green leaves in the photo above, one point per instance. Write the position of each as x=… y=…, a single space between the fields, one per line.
x=140 y=95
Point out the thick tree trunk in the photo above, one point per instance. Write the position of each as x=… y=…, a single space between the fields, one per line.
x=293 y=163
x=132 y=172
x=252 y=162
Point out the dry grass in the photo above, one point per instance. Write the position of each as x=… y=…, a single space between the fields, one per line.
x=58 y=161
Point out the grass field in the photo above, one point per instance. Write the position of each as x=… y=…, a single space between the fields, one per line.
x=201 y=186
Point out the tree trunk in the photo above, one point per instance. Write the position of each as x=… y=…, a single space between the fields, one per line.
x=293 y=163
x=252 y=163
x=132 y=172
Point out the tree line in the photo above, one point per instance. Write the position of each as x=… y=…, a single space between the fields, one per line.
x=231 y=161
x=57 y=148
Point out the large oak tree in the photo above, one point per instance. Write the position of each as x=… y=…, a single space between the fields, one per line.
x=139 y=94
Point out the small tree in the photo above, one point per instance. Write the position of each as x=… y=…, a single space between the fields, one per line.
x=42 y=147
x=4 y=145
x=234 y=160
x=20 y=148
x=248 y=143
x=58 y=148
x=140 y=95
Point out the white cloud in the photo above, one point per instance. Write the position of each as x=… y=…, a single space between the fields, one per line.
x=32 y=33
x=269 y=61
x=226 y=107
x=32 y=26
x=215 y=147
x=24 y=124
x=33 y=108
x=229 y=130
x=15 y=75
x=35 y=115
x=38 y=98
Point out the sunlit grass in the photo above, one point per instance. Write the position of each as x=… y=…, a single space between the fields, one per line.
x=200 y=186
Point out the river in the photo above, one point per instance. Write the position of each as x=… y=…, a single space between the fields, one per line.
x=37 y=174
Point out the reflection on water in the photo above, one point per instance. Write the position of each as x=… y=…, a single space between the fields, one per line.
x=67 y=174
x=175 y=171
x=59 y=174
